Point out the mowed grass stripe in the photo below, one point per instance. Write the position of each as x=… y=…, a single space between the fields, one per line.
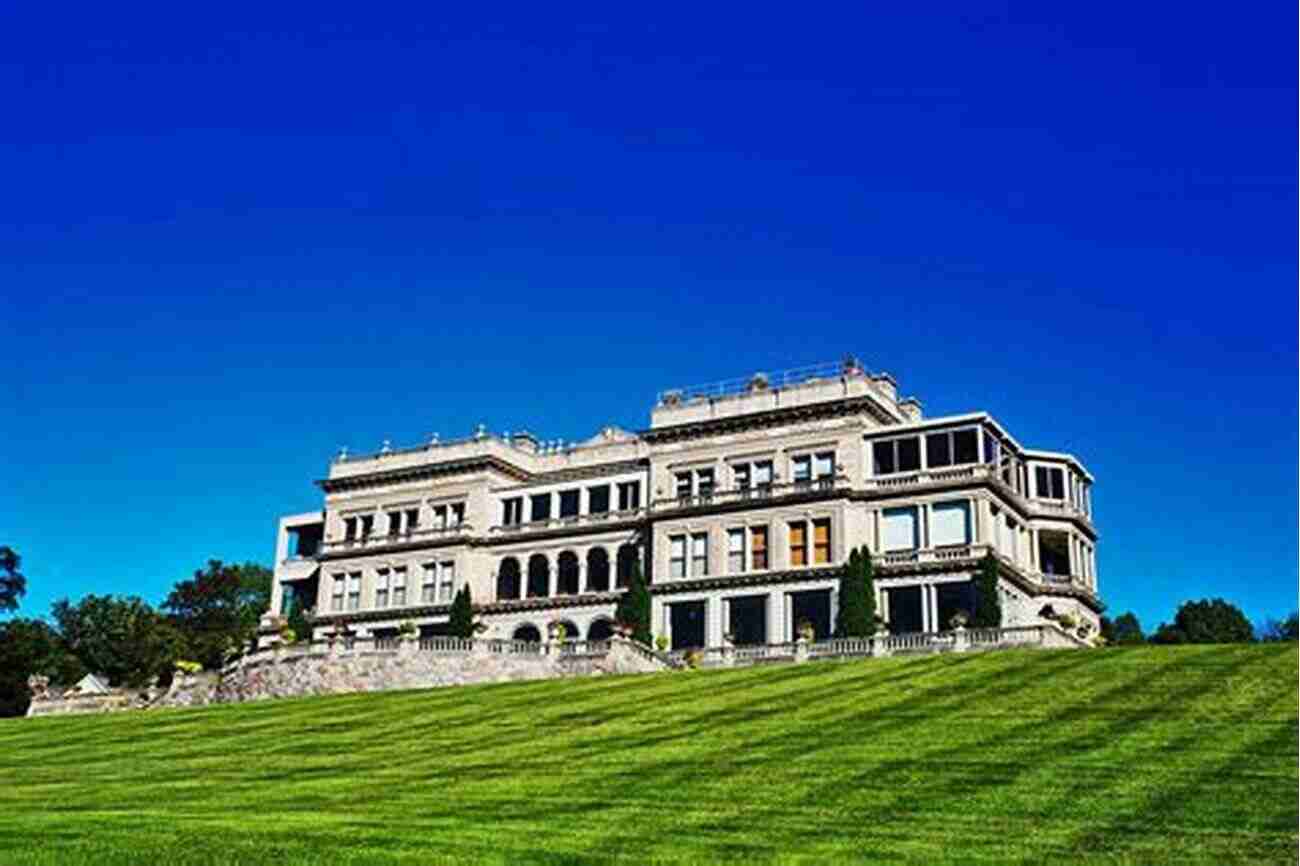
x=1150 y=754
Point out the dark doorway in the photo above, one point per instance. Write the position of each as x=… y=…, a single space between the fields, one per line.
x=687 y=624
x=601 y=629
x=904 y=609
x=527 y=633
x=813 y=606
x=748 y=619
x=954 y=597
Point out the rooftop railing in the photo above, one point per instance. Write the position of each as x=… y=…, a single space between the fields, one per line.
x=759 y=382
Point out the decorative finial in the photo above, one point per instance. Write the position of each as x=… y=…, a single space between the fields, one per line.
x=387 y=447
x=480 y=431
x=342 y=455
x=433 y=438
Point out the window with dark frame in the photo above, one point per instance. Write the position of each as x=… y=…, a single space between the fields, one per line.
x=598 y=499
x=569 y=503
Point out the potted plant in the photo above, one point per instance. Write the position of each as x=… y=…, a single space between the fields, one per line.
x=806 y=631
x=662 y=643
x=958 y=620
x=408 y=629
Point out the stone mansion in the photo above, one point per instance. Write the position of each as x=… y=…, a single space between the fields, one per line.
x=740 y=502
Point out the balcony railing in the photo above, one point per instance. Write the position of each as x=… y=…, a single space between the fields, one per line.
x=974 y=472
x=752 y=493
x=376 y=540
x=571 y=521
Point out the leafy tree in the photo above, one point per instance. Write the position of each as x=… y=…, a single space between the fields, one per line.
x=1126 y=630
x=1206 y=621
x=30 y=646
x=218 y=609
x=1278 y=631
x=13 y=585
x=634 y=606
x=461 y=620
x=988 y=603
x=123 y=639
x=857 y=597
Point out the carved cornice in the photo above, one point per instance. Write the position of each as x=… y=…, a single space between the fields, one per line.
x=598 y=470
x=770 y=418
x=419 y=473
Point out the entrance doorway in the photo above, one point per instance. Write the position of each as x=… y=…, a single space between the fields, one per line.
x=904 y=609
x=813 y=606
x=687 y=621
x=953 y=597
x=748 y=617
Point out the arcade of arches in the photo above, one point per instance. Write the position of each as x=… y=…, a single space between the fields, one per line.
x=568 y=574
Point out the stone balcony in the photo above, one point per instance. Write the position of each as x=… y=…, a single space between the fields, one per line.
x=338 y=546
x=603 y=518
x=753 y=495
x=911 y=482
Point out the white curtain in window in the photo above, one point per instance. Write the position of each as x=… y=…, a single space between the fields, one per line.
x=824 y=465
x=951 y=523
x=898 y=530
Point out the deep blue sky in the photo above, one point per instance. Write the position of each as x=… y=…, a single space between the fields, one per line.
x=232 y=241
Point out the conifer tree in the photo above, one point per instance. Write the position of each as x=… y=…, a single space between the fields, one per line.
x=461 y=620
x=634 y=606
x=857 y=597
x=988 y=604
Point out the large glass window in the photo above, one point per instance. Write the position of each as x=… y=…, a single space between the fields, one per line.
x=898 y=529
x=798 y=544
x=598 y=499
x=429 y=583
x=758 y=548
x=699 y=554
x=354 y=591
x=735 y=551
x=740 y=474
x=394 y=522
x=1049 y=482
x=896 y=455
x=938 y=450
x=512 y=511
x=677 y=556
x=802 y=469
x=381 y=588
x=541 y=509
x=821 y=541
x=336 y=597
x=763 y=473
x=446 y=581
x=704 y=482
x=629 y=495
x=950 y=523
x=824 y=465
x=569 y=503
x=683 y=485
x=952 y=448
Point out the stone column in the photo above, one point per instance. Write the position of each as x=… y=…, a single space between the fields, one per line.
x=713 y=621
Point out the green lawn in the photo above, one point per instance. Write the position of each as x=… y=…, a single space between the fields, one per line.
x=1144 y=755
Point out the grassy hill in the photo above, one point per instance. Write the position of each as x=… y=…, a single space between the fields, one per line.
x=1144 y=755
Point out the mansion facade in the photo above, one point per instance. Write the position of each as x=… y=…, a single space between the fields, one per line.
x=740 y=503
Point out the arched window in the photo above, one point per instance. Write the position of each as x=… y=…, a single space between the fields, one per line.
x=527 y=632
x=601 y=629
x=566 y=574
x=597 y=570
x=508 y=579
x=571 y=631
x=627 y=560
x=539 y=576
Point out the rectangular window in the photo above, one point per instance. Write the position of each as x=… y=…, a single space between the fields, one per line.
x=824 y=465
x=394 y=522
x=798 y=544
x=938 y=450
x=683 y=485
x=992 y=450
x=629 y=495
x=446 y=581
x=429 y=586
x=735 y=551
x=1049 y=482
x=699 y=554
x=381 y=588
x=898 y=528
x=439 y=517
x=740 y=475
x=399 y=587
x=512 y=511
x=354 y=591
x=367 y=525
x=677 y=556
x=801 y=469
x=569 y=503
x=598 y=499
x=949 y=523
x=758 y=548
x=882 y=458
x=412 y=519
x=349 y=528
x=821 y=541
x=763 y=473
x=965 y=447
x=909 y=454
x=336 y=597
x=541 y=510
x=704 y=482
x=458 y=514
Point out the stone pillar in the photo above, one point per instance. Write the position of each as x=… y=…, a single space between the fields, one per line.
x=960 y=642
x=800 y=651
x=925 y=607
x=713 y=621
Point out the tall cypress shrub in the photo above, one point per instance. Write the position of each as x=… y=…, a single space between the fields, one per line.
x=988 y=603
x=461 y=620
x=857 y=597
x=634 y=606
